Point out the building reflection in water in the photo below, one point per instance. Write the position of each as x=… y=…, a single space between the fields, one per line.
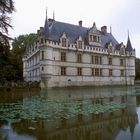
x=94 y=126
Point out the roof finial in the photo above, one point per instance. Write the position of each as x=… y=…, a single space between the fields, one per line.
x=46 y=11
x=128 y=33
x=53 y=15
x=110 y=29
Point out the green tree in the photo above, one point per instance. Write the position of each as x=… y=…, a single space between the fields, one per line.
x=6 y=8
x=18 y=47
x=11 y=66
x=137 y=68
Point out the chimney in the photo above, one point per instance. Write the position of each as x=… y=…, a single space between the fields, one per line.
x=41 y=29
x=80 y=23
x=38 y=32
x=50 y=21
x=104 y=30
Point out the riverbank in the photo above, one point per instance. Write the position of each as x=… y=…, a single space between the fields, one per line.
x=10 y=86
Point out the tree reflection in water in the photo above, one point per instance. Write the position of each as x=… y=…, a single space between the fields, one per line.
x=65 y=114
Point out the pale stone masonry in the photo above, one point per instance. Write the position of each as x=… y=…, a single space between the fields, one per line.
x=72 y=55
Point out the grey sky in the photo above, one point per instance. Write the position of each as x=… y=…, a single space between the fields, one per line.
x=122 y=15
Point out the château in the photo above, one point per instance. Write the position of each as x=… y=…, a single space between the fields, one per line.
x=73 y=55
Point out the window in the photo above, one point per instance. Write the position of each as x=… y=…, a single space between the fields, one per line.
x=110 y=61
x=95 y=38
x=79 y=71
x=63 y=70
x=100 y=60
x=92 y=71
x=97 y=73
x=110 y=72
x=42 y=68
x=92 y=59
x=63 y=56
x=80 y=44
x=90 y=38
x=64 y=42
x=42 y=55
x=100 y=72
x=98 y=39
x=79 y=58
x=122 y=73
x=121 y=62
x=96 y=59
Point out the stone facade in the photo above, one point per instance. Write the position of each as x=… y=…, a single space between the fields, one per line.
x=72 y=55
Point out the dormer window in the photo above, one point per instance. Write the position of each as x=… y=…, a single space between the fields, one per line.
x=80 y=44
x=94 y=38
x=90 y=38
x=122 y=49
x=98 y=39
x=64 y=42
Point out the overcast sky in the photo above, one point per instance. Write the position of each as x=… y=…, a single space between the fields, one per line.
x=121 y=15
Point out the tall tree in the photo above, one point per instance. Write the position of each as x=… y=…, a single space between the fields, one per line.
x=17 y=52
x=137 y=68
x=6 y=8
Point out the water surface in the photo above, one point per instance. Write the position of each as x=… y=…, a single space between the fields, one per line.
x=87 y=113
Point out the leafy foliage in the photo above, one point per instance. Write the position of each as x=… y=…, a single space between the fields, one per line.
x=137 y=68
x=18 y=48
x=6 y=8
x=11 y=60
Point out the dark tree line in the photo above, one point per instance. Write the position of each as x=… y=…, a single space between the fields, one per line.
x=11 y=65
x=11 y=59
x=137 y=67
x=6 y=8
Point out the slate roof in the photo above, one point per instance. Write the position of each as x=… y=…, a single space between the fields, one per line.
x=105 y=39
x=55 y=30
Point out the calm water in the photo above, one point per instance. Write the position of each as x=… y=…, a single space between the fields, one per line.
x=89 y=113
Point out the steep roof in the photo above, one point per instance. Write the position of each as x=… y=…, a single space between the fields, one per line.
x=72 y=31
x=128 y=45
x=56 y=29
x=108 y=38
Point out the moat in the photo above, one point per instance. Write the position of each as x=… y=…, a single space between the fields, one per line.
x=87 y=113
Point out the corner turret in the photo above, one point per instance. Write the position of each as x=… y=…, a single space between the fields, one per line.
x=128 y=45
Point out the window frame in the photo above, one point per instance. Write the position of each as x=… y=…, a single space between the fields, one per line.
x=92 y=71
x=63 y=56
x=110 y=61
x=97 y=72
x=121 y=72
x=63 y=71
x=64 y=42
x=110 y=72
x=79 y=71
x=79 y=58
x=121 y=62
x=80 y=44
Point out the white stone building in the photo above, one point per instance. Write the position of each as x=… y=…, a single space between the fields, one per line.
x=72 y=55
